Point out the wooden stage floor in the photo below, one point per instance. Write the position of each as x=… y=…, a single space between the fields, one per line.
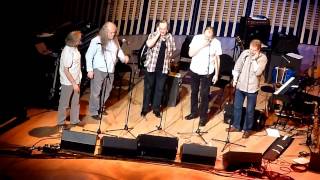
x=40 y=129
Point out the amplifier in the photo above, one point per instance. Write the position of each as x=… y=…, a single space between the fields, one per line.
x=171 y=90
x=259 y=117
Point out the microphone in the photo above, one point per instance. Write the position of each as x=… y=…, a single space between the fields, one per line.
x=124 y=41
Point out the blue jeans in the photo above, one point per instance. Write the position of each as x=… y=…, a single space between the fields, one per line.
x=237 y=111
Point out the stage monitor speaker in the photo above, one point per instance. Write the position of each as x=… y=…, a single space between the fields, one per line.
x=118 y=146
x=78 y=141
x=277 y=148
x=150 y=146
x=259 y=117
x=198 y=154
x=233 y=160
x=314 y=164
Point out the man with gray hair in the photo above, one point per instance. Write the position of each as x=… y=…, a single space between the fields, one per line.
x=101 y=58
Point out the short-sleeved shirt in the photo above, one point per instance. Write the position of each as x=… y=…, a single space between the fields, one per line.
x=70 y=58
x=204 y=59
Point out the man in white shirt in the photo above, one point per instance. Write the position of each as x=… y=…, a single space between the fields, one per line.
x=70 y=79
x=205 y=50
x=101 y=58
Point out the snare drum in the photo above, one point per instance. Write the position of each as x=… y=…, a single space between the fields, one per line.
x=280 y=75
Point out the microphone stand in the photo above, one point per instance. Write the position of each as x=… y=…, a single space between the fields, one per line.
x=102 y=96
x=227 y=141
x=159 y=127
x=126 y=128
x=198 y=131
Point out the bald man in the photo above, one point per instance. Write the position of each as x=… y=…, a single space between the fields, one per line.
x=101 y=58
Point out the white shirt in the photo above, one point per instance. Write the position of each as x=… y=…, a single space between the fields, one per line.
x=70 y=58
x=200 y=62
x=96 y=59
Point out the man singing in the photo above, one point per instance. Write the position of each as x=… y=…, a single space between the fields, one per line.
x=246 y=78
x=161 y=47
x=205 y=50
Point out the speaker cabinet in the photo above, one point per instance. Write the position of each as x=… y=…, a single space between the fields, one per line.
x=314 y=162
x=233 y=160
x=277 y=148
x=117 y=146
x=78 y=141
x=171 y=90
x=254 y=29
x=157 y=146
x=259 y=117
x=199 y=154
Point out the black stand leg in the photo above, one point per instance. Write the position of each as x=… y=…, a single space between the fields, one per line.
x=159 y=128
x=197 y=132
x=126 y=128
x=227 y=141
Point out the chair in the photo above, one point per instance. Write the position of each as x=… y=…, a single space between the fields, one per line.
x=119 y=73
x=225 y=78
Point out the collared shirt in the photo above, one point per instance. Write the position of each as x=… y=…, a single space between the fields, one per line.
x=106 y=61
x=70 y=58
x=204 y=59
x=247 y=71
x=153 y=53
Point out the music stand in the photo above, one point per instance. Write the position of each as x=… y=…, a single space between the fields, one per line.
x=126 y=128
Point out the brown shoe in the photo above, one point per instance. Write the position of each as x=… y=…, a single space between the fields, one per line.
x=246 y=135
x=81 y=123
x=232 y=129
x=96 y=117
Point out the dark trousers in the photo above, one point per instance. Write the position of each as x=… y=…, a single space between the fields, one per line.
x=153 y=85
x=238 y=103
x=204 y=81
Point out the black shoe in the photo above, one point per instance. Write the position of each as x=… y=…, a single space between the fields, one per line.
x=143 y=113
x=203 y=122
x=157 y=114
x=96 y=117
x=191 y=116
x=246 y=135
